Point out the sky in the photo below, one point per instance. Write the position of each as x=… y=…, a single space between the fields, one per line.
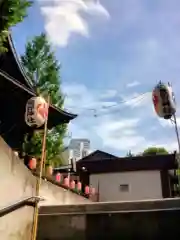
x=112 y=53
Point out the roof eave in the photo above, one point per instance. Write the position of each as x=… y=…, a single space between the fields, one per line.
x=70 y=116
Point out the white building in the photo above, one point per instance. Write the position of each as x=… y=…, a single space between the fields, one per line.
x=78 y=148
x=127 y=179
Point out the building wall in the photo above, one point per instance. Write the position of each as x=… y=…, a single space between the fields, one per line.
x=80 y=147
x=17 y=183
x=148 y=219
x=141 y=184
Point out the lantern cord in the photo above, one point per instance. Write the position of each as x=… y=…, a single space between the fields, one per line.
x=38 y=183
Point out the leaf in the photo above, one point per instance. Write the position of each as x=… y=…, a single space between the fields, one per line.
x=12 y=12
x=43 y=68
x=154 y=151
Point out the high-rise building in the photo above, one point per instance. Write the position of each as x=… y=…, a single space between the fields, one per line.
x=77 y=149
x=80 y=147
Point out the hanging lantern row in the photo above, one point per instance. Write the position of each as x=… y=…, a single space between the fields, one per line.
x=49 y=170
x=36 y=112
x=164 y=101
x=73 y=185
x=87 y=190
x=58 y=177
x=92 y=191
x=66 y=182
x=79 y=186
x=32 y=164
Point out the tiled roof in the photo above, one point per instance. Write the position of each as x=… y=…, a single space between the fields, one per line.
x=101 y=162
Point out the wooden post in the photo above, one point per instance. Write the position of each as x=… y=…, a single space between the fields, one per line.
x=38 y=183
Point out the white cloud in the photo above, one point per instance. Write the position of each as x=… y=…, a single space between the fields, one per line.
x=168 y=123
x=63 y=17
x=133 y=84
x=112 y=129
x=95 y=8
x=171 y=146
x=124 y=135
x=121 y=135
x=81 y=99
x=110 y=93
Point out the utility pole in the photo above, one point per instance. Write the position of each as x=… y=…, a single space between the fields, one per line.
x=178 y=155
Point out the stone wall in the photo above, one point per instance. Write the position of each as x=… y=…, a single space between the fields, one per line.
x=17 y=183
x=133 y=225
x=158 y=219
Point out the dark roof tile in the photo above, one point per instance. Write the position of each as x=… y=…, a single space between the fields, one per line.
x=101 y=162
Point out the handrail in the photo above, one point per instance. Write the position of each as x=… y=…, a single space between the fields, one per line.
x=30 y=201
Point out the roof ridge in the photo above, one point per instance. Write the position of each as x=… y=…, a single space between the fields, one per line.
x=27 y=79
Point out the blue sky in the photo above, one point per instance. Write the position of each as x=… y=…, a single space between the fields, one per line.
x=112 y=51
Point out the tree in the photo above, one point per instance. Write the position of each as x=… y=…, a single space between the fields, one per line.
x=154 y=151
x=12 y=12
x=44 y=70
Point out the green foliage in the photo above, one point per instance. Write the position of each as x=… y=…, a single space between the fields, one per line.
x=154 y=151
x=12 y=12
x=44 y=71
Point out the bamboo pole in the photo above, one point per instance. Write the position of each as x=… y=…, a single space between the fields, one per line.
x=38 y=183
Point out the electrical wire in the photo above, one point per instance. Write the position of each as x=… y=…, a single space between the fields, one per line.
x=94 y=110
x=101 y=111
x=127 y=103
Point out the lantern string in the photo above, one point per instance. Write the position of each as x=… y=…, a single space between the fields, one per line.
x=39 y=178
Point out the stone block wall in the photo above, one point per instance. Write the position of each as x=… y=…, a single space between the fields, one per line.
x=16 y=183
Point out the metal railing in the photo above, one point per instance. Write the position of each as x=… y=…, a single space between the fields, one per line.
x=30 y=201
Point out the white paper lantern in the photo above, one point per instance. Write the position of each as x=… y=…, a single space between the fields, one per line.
x=164 y=101
x=36 y=112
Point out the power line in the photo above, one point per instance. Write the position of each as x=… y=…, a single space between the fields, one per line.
x=116 y=110
x=99 y=110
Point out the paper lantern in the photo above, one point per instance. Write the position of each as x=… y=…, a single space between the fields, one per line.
x=79 y=186
x=66 y=182
x=72 y=185
x=16 y=154
x=164 y=101
x=87 y=190
x=58 y=177
x=32 y=163
x=36 y=112
x=92 y=191
x=49 y=170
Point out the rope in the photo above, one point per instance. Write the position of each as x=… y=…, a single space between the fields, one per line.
x=38 y=183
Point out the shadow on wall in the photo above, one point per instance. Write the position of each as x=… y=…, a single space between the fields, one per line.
x=133 y=225
x=17 y=182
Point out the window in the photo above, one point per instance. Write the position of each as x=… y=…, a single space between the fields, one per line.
x=124 y=187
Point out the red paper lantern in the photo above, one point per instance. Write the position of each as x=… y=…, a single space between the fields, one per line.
x=79 y=186
x=92 y=191
x=66 y=182
x=72 y=185
x=58 y=177
x=87 y=190
x=32 y=163
x=49 y=170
